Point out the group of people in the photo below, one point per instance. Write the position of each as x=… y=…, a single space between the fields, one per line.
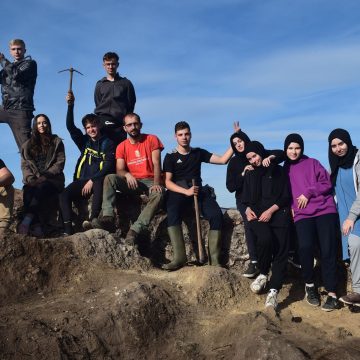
x=115 y=156
x=274 y=200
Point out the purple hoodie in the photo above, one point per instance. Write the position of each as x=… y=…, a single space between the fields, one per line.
x=309 y=177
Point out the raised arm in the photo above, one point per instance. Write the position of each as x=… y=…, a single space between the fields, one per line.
x=222 y=159
x=76 y=135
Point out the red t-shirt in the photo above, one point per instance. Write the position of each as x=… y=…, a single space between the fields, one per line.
x=137 y=156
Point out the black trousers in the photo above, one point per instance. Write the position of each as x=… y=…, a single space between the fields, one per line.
x=272 y=246
x=177 y=203
x=33 y=196
x=319 y=230
x=19 y=122
x=249 y=236
x=73 y=192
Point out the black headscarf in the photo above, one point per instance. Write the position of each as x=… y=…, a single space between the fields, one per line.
x=345 y=162
x=256 y=147
x=241 y=135
x=293 y=138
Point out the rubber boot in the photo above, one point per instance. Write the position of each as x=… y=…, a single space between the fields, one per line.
x=177 y=242
x=215 y=247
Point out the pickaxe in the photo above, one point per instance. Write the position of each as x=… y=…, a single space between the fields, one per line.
x=71 y=70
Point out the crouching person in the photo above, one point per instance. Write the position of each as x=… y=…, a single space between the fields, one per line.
x=181 y=167
x=96 y=161
x=138 y=172
x=6 y=196
x=266 y=196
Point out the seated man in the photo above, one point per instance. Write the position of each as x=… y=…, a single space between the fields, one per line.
x=96 y=161
x=181 y=167
x=6 y=195
x=138 y=171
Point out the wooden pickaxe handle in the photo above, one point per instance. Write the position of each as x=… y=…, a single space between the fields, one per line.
x=198 y=228
x=71 y=78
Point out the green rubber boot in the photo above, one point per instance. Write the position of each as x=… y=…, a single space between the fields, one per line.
x=215 y=247
x=177 y=242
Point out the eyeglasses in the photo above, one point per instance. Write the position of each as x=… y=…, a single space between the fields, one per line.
x=134 y=124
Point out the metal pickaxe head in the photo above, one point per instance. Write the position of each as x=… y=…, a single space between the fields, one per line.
x=71 y=70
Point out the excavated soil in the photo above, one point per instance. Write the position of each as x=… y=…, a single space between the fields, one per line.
x=90 y=297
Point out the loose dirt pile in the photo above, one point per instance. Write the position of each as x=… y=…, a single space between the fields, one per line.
x=90 y=297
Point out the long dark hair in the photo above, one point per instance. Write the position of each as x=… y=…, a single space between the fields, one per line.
x=40 y=143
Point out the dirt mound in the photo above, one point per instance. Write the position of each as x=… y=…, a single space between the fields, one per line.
x=89 y=296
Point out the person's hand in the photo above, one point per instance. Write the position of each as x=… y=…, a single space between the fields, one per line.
x=86 y=190
x=155 y=188
x=267 y=161
x=131 y=181
x=250 y=215
x=194 y=190
x=302 y=201
x=236 y=126
x=247 y=168
x=347 y=227
x=70 y=98
x=266 y=216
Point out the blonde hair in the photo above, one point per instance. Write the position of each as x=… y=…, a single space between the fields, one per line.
x=17 y=42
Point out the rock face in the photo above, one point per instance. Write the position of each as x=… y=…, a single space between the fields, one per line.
x=89 y=296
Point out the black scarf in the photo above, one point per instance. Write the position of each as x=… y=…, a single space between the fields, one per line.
x=256 y=175
x=345 y=162
x=294 y=138
x=241 y=135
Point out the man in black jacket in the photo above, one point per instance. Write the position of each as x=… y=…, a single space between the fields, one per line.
x=114 y=98
x=18 y=80
x=96 y=160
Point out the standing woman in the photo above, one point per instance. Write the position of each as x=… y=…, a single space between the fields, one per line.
x=344 y=159
x=315 y=218
x=235 y=176
x=42 y=165
x=267 y=199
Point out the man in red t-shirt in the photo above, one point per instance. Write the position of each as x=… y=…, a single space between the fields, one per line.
x=138 y=171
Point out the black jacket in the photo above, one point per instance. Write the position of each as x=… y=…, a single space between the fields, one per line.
x=97 y=158
x=114 y=99
x=18 y=83
x=264 y=187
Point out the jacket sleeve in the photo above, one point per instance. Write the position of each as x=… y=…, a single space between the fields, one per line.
x=97 y=96
x=28 y=172
x=284 y=198
x=58 y=166
x=279 y=155
x=76 y=135
x=109 y=161
x=234 y=180
x=131 y=97
x=322 y=185
x=245 y=199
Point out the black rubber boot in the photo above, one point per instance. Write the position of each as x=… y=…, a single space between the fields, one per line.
x=215 y=247
x=177 y=242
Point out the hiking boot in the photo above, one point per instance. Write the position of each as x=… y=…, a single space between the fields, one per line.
x=351 y=299
x=331 y=304
x=312 y=296
x=271 y=299
x=36 y=230
x=215 y=247
x=68 y=229
x=131 y=237
x=177 y=242
x=251 y=271
x=105 y=223
x=258 y=284
x=87 y=225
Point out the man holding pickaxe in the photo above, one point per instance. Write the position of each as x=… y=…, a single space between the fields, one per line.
x=114 y=98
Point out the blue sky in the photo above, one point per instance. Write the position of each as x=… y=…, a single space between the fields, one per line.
x=277 y=66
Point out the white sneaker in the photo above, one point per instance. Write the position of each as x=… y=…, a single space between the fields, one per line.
x=271 y=299
x=258 y=284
